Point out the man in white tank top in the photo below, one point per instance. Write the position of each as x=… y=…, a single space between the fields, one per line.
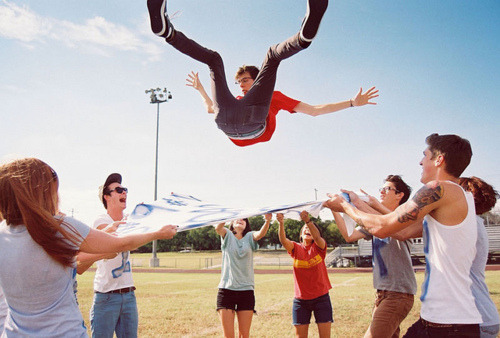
x=446 y=213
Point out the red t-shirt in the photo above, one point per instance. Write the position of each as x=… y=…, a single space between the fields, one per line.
x=279 y=101
x=309 y=271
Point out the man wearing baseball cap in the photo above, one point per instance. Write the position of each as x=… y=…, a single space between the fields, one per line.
x=114 y=309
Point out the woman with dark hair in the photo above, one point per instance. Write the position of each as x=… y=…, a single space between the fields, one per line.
x=236 y=287
x=485 y=198
x=310 y=278
x=38 y=246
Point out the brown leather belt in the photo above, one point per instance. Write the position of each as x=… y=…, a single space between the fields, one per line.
x=124 y=290
x=437 y=325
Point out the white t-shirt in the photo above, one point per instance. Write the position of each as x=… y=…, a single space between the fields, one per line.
x=38 y=290
x=112 y=274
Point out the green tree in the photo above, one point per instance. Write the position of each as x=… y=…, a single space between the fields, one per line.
x=204 y=238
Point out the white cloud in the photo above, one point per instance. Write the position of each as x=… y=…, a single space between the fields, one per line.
x=20 y=23
x=96 y=35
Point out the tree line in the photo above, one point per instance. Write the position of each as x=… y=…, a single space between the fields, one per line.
x=206 y=238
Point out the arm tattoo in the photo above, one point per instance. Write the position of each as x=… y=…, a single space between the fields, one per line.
x=425 y=196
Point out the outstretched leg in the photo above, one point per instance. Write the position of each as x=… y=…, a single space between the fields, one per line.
x=310 y=24
x=263 y=87
x=161 y=26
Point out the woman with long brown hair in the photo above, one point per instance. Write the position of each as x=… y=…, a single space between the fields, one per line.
x=38 y=248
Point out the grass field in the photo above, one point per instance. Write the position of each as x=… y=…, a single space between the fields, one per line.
x=183 y=304
x=263 y=259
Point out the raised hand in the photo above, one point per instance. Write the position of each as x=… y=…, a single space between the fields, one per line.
x=334 y=203
x=304 y=215
x=167 y=232
x=364 y=98
x=371 y=200
x=194 y=81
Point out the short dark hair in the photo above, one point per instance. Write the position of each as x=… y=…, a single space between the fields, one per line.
x=245 y=231
x=485 y=196
x=456 y=151
x=252 y=70
x=400 y=186
x=113 y=178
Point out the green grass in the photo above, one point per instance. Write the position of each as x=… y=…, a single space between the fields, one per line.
x=183 y=304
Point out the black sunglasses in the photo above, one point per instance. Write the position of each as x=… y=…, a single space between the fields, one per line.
x=119 y=190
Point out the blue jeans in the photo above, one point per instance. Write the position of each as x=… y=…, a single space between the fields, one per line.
x=114 y=312
x=489 y=331
x=233 y=116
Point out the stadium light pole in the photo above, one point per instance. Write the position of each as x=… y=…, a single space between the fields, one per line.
x=157 y=96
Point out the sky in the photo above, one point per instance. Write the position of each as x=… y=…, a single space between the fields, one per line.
x=73 y=76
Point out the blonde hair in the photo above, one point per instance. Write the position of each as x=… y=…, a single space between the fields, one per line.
x=28 y=195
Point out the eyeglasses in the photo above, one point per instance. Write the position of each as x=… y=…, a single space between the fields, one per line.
x=243 y=80
x=387 y=189
x=119 y=190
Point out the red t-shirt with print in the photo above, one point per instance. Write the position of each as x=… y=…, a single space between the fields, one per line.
x=309 y=271
x=279 y=101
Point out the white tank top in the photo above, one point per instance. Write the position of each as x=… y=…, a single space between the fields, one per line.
x=449 y=251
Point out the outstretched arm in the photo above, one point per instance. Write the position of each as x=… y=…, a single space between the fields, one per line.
x=85 y=260
x=427 y=199
x=360 y=99
x=99 y=242
x=375 y=204
x=221 y=230
x=356 y=234
x=194 y=81
x=263 y=230
x=287 y=244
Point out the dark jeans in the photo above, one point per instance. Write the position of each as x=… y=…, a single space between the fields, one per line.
x=233 y=116
x=420 y=329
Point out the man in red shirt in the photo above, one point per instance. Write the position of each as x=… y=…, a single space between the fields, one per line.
x=245 y=78
x=245 y=119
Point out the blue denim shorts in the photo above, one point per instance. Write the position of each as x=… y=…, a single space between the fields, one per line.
x=321 y=306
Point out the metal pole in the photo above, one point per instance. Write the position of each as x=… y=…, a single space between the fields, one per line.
x=157 y=95
x=154 y=260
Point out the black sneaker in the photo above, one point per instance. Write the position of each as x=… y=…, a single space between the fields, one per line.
x=160 y=24
x=314 y=14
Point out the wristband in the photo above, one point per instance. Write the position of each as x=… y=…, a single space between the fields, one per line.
x=350 y=101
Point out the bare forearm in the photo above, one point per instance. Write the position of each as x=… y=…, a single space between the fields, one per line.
x=379 y=207
x=220 y=229
x=343 y=230
x=98 y=242
x=287 y=244
x=263 y=231
x=316 y=235
x=209 y=104
x=85 y=260
x=322 y=109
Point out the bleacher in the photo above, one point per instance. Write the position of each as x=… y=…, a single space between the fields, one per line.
x=361 y=253
x=494 y=242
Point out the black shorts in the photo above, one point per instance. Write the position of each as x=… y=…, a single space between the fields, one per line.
x=236 y=300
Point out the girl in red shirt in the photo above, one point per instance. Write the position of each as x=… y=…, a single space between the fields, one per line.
x=310 y=277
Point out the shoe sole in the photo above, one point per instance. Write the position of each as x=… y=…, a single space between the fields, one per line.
x=315 y=28
x=159 y=24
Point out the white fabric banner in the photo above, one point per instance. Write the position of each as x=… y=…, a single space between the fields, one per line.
x=189 y=212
